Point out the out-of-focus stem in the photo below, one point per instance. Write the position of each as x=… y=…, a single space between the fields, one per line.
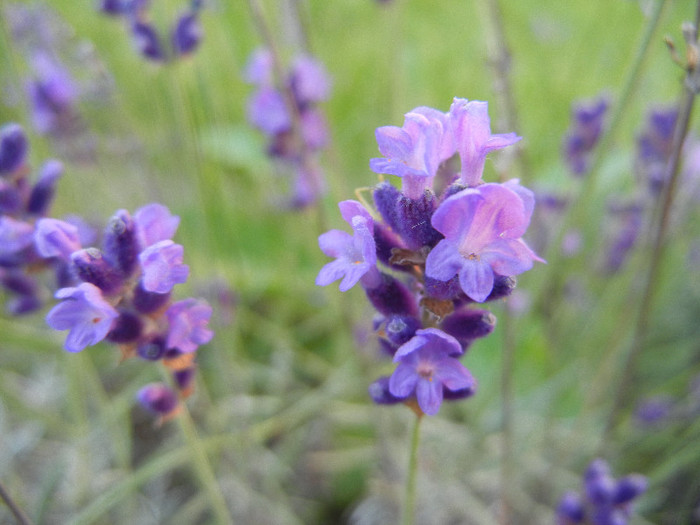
x=409 y=502
x=691 y=89
x=507 y=417
x=499 y=58
x=202 y=467
x=18 y=513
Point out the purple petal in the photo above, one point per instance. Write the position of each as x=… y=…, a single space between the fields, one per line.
x=429 y=396
x=334 y=243
x=15 y=235
x=188 y=320
x=55 y=238
x=268 y=111
x=162 y=267
x=476 y=279
x=403 y=381
x=155 y=223
x=509 y=257
x=350 y=209
x=454 y=375
x=456 y=214
x=393 y=142
x=444 y=261
x=331 y=272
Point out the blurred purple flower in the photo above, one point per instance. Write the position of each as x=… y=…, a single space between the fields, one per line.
x=52 y=93
x=309 y=81
x=162 y=266
x=483 y=228
x=356 y=255
x=13 y=147
x=83 y=312
x=587 y=124
x=187 y=34
x=146 y=41
x=189 y=321
x=158 y=398
x=56 y=238
x=427 y=364
x=471 y=126
x=15 y=235
x=268 y=112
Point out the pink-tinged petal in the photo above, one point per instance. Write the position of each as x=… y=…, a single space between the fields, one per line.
x=500 y=141
x=334 y=243
x=454 y=216
x=454 y=375
x=443 y=261
x=188 y=324
x=509 y=257
x=403 y=381
x=429 y=396
x=413 y=344
x=525 y=195
x=331 y=272
x=393 y=142
x=353 y=274
x=350 y=209
x=56 y=238
x=476 y=279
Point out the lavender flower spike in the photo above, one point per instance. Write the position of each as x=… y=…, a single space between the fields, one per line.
x=356 y=255
x=483 y=228
x=427 y=365
x=472 y=129
x=414 y=152
x=162 y=266
x=85 y=313
x=189 y=321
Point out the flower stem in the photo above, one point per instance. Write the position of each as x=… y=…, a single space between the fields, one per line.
x=409 y=502
x=691 y=88
x=203 y=468
x=507 y=417
x=18 y=513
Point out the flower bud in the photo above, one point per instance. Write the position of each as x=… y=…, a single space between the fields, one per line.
x=385 y=199
x=13 y=148
x=187 y=34
x=91 y=267
x=466 y=324
x=43 y=191
x=126 y=328
x=380 y=394
x=148 y=302
x=391 y=296
x=158 y=398
x=120 y=243
x=399 y=329
x=153 y=349
x=413 y=221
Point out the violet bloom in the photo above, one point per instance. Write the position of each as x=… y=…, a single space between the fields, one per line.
x=427 y=365
x=157 y=398
x=147 y=42
x=586 y=127
x=259 y=70
x=155 y=223
x=83 y=312
x=189 y=321
x=187 y=34
x=56 y=238
x=15 y=235
x=356 y=255
x=414 y=151
x=483 y=228
x=52 y=93
x=309 y=81
x=13 y=148
x=162 y=266
x=268 y=112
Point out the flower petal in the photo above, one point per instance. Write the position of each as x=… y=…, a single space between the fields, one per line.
x=444 y=261
x=403 y=381
x=476 y=279
x=429 y=396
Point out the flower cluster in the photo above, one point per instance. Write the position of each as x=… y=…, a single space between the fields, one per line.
x=446 y=240
x=22 y=204
x=605 y=501
x=286 y=111
x=122 y=293
x=185 y=35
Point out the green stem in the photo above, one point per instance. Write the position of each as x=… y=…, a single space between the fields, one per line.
x=409 y=502
x=19 y=515
x=202 y=467
x=507 y=417
x=659 y=243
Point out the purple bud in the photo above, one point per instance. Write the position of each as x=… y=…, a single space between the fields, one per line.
x=18 y=283
x=607 y=515
x=309 y=81
x=570 y=509
x=152 y=350
x=598 y=468
x=503 y=286
x=399 y=328
x=600 y=489
x=126 y=328
x=11 y=201
x=385 y=199
x=91 y=267
x=183 y=378
x=443 y=290
x=413 y=221
x=15 y=235
x=385 y=241
x=55 y=238
x=187 y=34
x=148 y=302
x=158 y=398
x=13 y=148
x=43 y=191
x=380 y=394
x=23 y=304
x=120 y=242
x=146 y=41
x=467 y=324
x=111 y=7
x=392 y=297
x=629 y=488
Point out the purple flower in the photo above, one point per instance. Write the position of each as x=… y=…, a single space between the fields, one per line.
x=51 y=94
x=268 y=111
x=162 y=266
x=154 y=223
x=584 y=133
x=83 y=312
x=189 y=321
x=13 y=147
x=187 y=34
x=356 y=255
x=146 y=41
x=309 y=81
x=15 y=235
x=483 y=228
x=260 y=70
x=414 y=151
x=427 y=364
x=56 y=238
x=157 y=398
x=472 y=130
